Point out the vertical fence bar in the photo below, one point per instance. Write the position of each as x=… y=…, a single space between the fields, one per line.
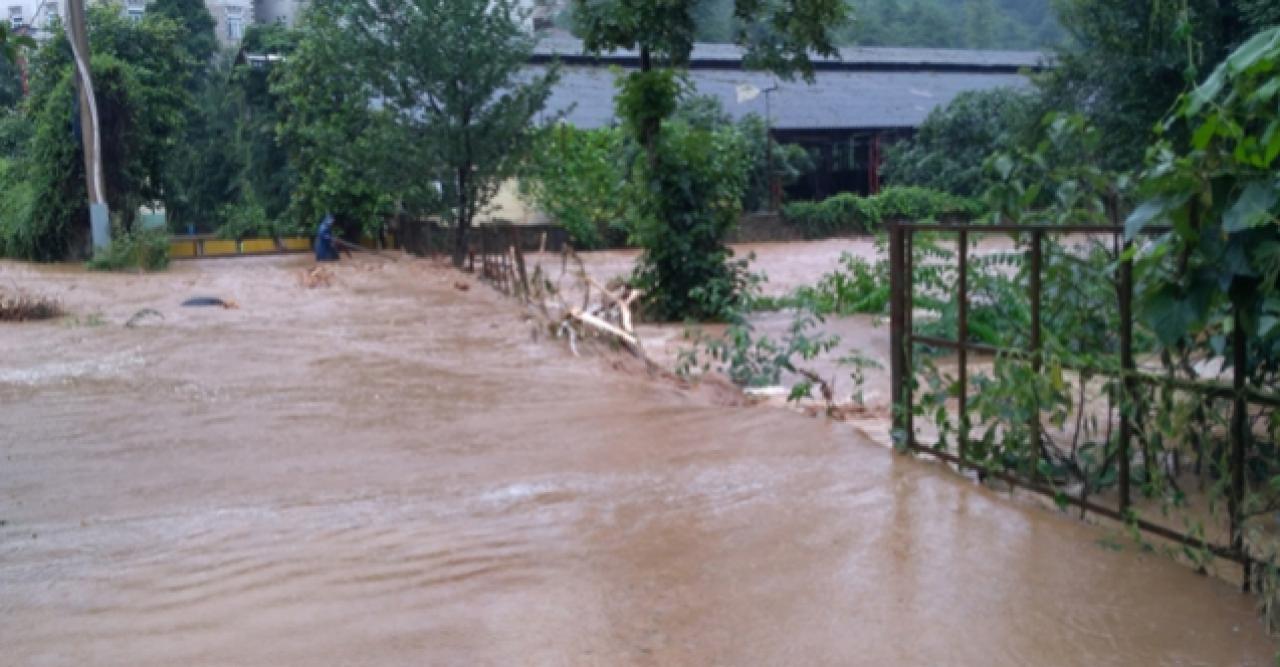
x=1037 y=362
x=1239 y=437
x=1128 y=389
x=962 y=337
x=897 y=341
x=908 y=330
x=520 y=268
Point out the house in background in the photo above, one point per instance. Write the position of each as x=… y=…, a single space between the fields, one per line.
x=36 y=17
x=857 y=104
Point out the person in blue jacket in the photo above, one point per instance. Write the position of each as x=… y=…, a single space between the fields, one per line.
x=326 y=250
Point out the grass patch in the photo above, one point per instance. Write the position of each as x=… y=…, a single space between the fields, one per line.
x=143 y=250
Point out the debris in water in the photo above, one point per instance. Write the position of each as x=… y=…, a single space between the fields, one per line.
x=24 y=307
x=316 y=277
x=211 y=301
x=142 y=315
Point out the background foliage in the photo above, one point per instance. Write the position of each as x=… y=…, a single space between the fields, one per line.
x=948 y=151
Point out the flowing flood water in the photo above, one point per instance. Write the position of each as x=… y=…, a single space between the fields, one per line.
x=392 y=470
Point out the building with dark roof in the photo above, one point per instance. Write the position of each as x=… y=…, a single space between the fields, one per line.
x=857 y=102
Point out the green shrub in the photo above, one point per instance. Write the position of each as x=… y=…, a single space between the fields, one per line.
x=15 y=211
x=687 y=202
x=847 y=213
x=146 y=249
x=248 y=219
x=915 y=203
x=856 y=286
x=578 y=177
x=948 y=152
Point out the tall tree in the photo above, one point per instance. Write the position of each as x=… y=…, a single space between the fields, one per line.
x=685 y=198
x=948 y=151
x=196 y=23
x=338 y=143
x=11 y=44
x=452 y=72
x=10 y=84
x=135 y=66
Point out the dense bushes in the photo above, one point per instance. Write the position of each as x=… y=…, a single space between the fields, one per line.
x=849 y=214
x=686 y=271
x=578 y=176
x=139 y=71
x=949 y=150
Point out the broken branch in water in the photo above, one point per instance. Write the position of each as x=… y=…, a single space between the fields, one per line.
x=609 y=318
x=24 y=307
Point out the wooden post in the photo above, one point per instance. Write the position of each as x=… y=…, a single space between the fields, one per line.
x=908 y=331
x=1128 y=390
x=1239 y=437
x=897 y=336
x=1037 y=362
x=962 y=333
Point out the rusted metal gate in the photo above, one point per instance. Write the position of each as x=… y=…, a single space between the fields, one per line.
x=904 y=339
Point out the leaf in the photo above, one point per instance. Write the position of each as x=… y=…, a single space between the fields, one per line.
x=1254 y=50
x=1059 y=384
x=1267 y=325
x=1266 y=91
x=1004 y=166
x=1271 y=140
x=1252 y=208
x=1204 y=134
x=1169 y=315
x=1206 y=91
x=1152 y=209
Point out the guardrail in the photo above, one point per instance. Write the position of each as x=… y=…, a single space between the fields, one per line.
x=208 y=245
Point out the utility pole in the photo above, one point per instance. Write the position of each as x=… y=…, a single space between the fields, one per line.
x=91 y=139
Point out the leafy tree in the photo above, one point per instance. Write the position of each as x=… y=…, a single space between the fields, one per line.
x=700 y=178
x=685 y=270
x=197 y=25
x=231 y=164
x=205 y=171
x=952 y=144
x=338 y=144
x=970 y=24
x=10 y=84
x=1127 y=62
x=451 y=73
x=577 y=177
x=10 y=44
x=1222 y=200
x=135 y=66
x=265 y=160
x=203 y=165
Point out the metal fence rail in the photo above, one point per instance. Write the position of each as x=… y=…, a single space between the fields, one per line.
x=904 y=337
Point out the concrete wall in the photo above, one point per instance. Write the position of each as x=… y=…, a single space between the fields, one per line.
x=509 y=206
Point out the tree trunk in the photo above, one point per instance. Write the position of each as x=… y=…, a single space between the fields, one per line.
x=650 y=128
x=463 y=219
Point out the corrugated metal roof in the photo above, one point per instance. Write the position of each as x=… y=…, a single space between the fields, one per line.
x=730 y=56
x=836 y=100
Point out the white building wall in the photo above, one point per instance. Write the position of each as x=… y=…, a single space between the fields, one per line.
x=232 y=17
x=35 y=15
x=280 y=11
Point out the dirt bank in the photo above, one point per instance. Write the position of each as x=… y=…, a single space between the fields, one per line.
x=392 y=471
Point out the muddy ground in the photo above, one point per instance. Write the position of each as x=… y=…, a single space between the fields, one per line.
x=391 y=470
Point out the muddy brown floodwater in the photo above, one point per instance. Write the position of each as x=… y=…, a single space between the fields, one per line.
x=392 y=471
